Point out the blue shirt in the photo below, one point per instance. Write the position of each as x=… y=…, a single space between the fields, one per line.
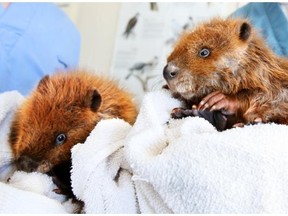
x=35 y=39
x=270 y=20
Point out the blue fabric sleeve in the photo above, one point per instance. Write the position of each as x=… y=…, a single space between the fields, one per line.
x=270 y=21
x=35 y=39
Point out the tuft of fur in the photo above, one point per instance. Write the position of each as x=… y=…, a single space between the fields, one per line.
x=69 y=103
x=240 y=65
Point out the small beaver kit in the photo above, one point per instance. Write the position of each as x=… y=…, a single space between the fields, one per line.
x=224 y=66
x=61 y=112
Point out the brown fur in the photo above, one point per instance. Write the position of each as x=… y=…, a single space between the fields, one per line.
x=63 y=103
x=240 y=65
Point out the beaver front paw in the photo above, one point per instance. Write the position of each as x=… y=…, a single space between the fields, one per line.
x=216 y=118
x=179 y=112
x=62 y=188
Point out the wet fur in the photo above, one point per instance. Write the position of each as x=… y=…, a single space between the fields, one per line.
x=70 y=103
x=240 y=65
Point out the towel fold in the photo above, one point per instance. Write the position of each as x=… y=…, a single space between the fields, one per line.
x=9 y=102
x=190 y=167
x=100 y=175
x=181 y=166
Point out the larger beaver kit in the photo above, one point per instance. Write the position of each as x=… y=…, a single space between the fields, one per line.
x=226 y=64
x=61 y=112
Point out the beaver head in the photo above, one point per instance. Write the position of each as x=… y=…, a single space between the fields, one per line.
x=60 y=113
x=209 y=58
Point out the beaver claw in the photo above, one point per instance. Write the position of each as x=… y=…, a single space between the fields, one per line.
x=216 y=118
x=179 y=112
x=61 y=187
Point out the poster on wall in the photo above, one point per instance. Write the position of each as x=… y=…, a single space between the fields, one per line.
x=146 y=34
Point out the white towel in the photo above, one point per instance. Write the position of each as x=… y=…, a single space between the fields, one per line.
x=100 y=176
x=15 y=201
x=9 y=102
x=187 y=166
x=181 y=166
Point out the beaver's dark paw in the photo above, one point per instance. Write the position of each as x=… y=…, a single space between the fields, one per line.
x=61 y=187
x=179 y=112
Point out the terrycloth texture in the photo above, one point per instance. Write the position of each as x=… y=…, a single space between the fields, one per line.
x=9 y=102
x=187 y=166
x=14 y=201
x=100 y=176
x=35 y=182
x=182 y=166
x=24 y=192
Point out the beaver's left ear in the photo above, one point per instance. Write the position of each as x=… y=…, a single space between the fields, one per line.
x=43 y=84
x=244 y=31
x=93 y=100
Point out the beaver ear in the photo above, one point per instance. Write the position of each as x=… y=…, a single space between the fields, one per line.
x=93 y=100
x=245 y=31
x=42 y=85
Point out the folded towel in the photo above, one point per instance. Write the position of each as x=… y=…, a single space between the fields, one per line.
x=181 y=166
x=100 y=176
x=9 y=102
x=187 y=166
x=15 y=201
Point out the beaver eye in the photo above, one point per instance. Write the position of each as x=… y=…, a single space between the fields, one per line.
x=204 y=53
x=60 y=139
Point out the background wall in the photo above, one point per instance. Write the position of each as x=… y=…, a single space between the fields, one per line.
x=97 y=23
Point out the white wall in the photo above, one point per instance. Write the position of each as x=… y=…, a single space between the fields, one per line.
x=98 y=37
x=97 y=23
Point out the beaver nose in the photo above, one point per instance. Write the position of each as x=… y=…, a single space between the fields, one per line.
x=170 y=71
x=27 y=164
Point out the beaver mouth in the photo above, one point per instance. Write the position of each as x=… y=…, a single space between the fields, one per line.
x=191 y=93
x=187 y=95
x=182 y=87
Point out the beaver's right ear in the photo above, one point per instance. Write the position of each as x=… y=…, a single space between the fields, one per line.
x=93 y=100
x=244 y=31
x=42 y=85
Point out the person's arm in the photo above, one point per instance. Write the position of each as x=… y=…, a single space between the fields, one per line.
x=5 y=4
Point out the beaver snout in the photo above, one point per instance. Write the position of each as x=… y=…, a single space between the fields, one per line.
x=170 y=71
x=25 y=163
